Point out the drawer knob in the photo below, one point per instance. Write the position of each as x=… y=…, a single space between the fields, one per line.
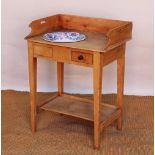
x=80 y=57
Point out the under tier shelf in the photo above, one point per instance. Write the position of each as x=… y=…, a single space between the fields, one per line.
x=80 y=108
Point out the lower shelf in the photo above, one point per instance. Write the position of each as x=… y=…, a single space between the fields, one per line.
x=75 y=107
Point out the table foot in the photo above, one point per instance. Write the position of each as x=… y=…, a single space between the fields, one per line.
x=119 y=123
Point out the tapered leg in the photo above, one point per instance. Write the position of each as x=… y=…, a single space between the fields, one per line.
x=120 y=87
x=60 y=77
x=97 y=82
x=33 y=85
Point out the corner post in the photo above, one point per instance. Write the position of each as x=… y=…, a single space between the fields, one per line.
x=97 y=84
x=120 y=85
x=60 y=77
x=33 y=85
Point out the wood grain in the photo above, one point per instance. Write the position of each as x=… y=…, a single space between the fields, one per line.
x=85 y=100
x=119 y=35
x=47 y=100
x=43 y=25
x=60 y=77
x=75 y=108
x=120 y=85
x=86 y=57
x=88 y=23
x=95 y=41
x=33 y=85
x=115 y=31
x=42 y=51
x=61 y=54
x=97 y=84
x=112 y=55
x=110 y=119
x=104 y=43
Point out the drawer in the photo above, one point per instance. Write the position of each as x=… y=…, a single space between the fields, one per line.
x=42 y=51
x=82 y=57
x=61 y=54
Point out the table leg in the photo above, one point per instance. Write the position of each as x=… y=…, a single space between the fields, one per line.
x=60 y=77
x=120 y=87
x=33 y=85
x=97 y=84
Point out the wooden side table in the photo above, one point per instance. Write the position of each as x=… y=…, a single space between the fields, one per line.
x=105 y=43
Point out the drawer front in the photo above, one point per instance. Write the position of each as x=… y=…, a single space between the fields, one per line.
x=61 y=54
x=42 y=51
x=82 y=57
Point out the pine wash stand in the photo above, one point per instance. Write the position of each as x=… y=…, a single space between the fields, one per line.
x=105 y=43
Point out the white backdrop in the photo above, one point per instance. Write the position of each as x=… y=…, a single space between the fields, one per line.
x=17 y=14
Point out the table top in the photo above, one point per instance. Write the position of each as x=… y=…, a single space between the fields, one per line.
x=95 y=41
x=102 y=34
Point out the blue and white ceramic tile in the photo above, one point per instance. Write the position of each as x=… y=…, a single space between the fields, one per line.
x=64 y=37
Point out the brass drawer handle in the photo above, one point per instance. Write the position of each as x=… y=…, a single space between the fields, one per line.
x=80 y=57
